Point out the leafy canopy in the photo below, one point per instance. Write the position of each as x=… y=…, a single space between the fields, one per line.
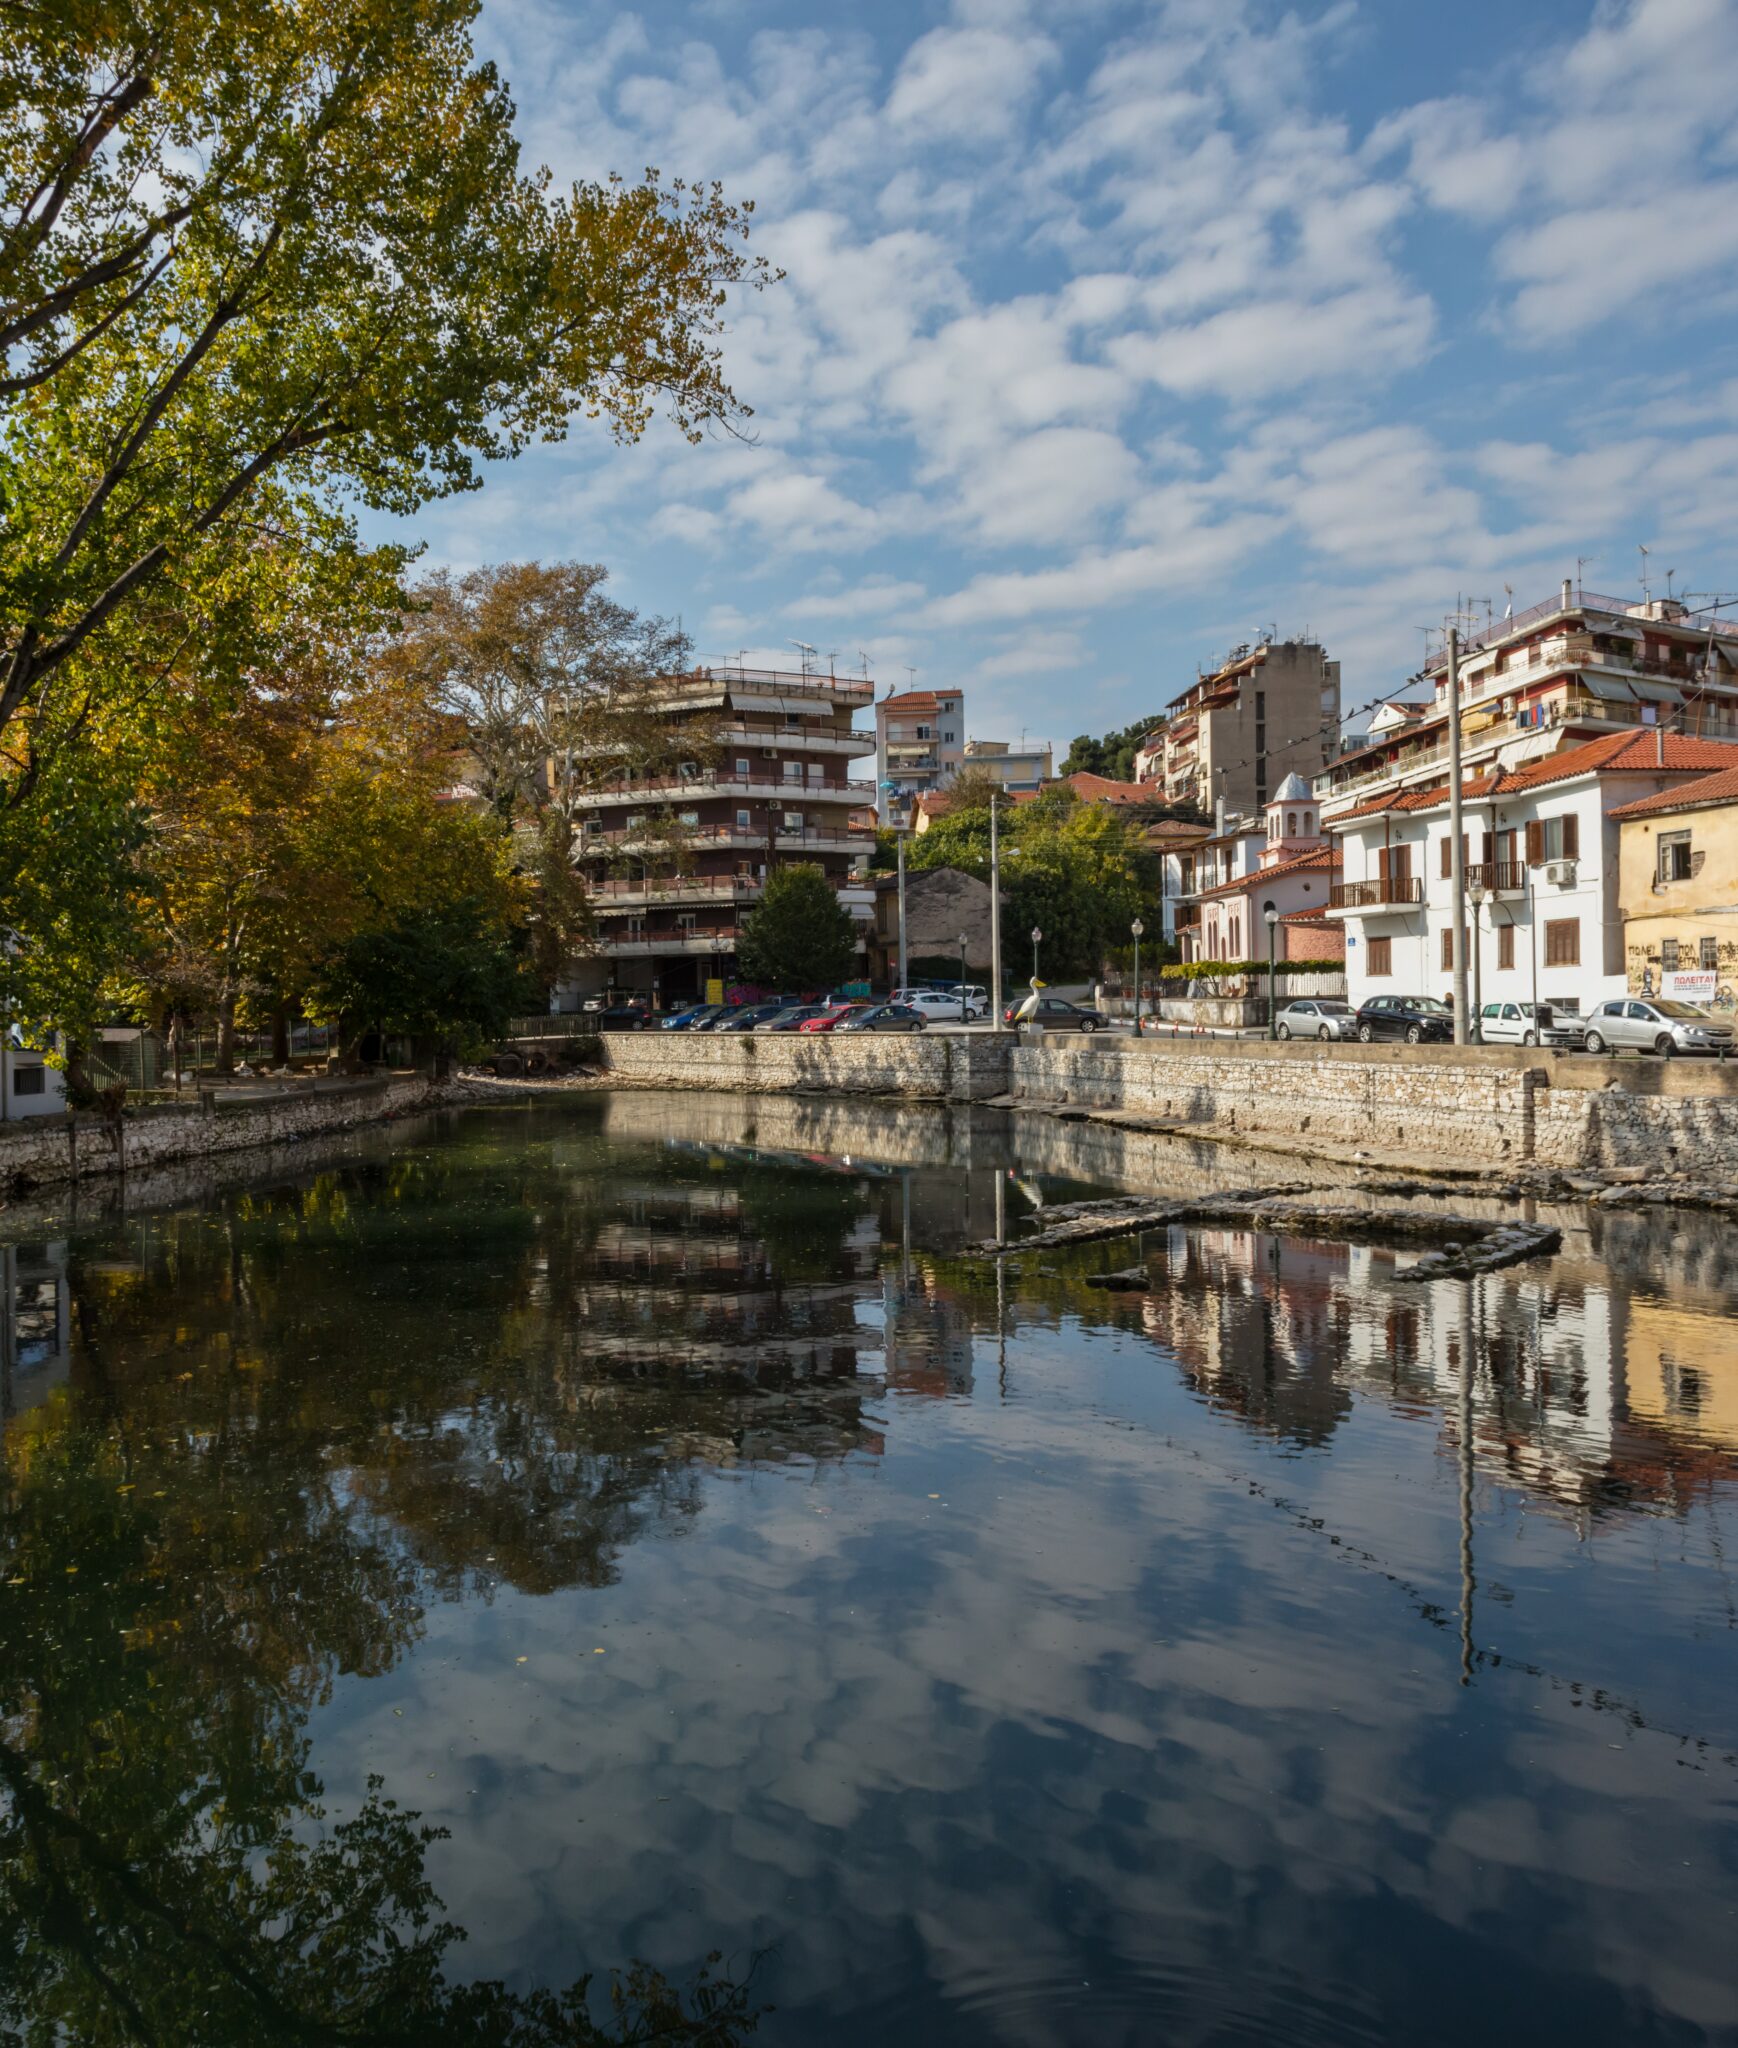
x=1113 y=755
x=799 y=935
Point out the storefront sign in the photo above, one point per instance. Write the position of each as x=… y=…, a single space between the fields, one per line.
x=1694 y=987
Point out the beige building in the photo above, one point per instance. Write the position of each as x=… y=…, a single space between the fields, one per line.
x=1678 y=888
x=1234 y=736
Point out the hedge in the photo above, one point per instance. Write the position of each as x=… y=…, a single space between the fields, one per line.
x=1215 y=970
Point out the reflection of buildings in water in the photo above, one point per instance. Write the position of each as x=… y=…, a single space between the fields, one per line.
x=928 y=1333
x=34 y=1323
x=1583 y=1392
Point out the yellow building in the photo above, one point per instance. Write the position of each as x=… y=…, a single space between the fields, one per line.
x=1678 y=891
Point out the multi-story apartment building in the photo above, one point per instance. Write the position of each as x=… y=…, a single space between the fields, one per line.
x=674 y=862
x=920 y=744
x=1563 y=671
x=1012 y=767
x=1543 y=913
x=1234 y=736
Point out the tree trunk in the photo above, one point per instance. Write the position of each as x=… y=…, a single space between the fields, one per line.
x=226 y=1035
x=281 y=1035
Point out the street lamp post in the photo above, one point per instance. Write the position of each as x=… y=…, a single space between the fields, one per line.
x=1137 y=928
x=1272 y=915
x=1036 y=936
x=995 y=920
x=964 y=1019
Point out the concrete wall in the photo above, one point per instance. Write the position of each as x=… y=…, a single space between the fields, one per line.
x=933 y=1065
x=47 y=1152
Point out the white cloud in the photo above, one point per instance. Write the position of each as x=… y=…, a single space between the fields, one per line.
x=1568 y=268
x=968 y=84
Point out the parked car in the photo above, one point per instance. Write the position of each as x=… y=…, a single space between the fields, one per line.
x=831 y=1019
x=1656 y=1024
x=692 y=1018
x=938 y=1005
x=1056 y=1013
x=790 y=1019
x=746 y=1016
x=1316 y=1017
x=1527 y=1024
x=623 y=1016
x=884 y=1017
x=1417 y=1019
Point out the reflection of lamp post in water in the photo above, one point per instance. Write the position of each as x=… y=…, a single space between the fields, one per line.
x=963 y=1018
x=1467 y=1581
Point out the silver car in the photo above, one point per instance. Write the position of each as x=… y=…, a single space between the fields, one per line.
x=1655 y=1024
x=1316 y=1017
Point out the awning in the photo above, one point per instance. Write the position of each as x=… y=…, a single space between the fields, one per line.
x=765 y=700
x=1621 y=690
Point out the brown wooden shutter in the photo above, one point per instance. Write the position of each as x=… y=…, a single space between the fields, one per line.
x=1447 y=859
x=1535 y=842
x=1571 y=837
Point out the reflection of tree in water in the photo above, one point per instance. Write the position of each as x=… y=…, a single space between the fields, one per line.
x=288 y=1423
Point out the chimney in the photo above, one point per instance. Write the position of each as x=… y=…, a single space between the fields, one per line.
x=1568 y=593
x=1659 y=746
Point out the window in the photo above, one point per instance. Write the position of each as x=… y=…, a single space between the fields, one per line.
x=742 y=765
x=1563 y=942
x=1675 y=860
x=1381 y=956
x=1553 y=839
x=1505 y=945
x=743 y=821
x=30 y=1080
x=793 y=771
x=1708 y=955
x=684 y=920
x=1668 y=956
x=1291 y=824
x=793 y=821
x=689 y=818
x=924 y=733
x=1447 y=948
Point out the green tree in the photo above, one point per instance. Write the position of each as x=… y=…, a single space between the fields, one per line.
x=1113 y=755
x=799 y=936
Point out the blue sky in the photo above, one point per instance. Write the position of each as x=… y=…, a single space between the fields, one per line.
x=1117 y=330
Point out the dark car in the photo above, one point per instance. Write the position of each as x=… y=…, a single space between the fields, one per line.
x=793 y=1017
x=1420 y=1020
x=1055 y=1013
x=747 y=1016
x=884 y=1017
x=623 y=1017
x=695 y=1018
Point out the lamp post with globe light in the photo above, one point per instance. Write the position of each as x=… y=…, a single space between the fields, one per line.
x=1137 y=928
x=1272 y=915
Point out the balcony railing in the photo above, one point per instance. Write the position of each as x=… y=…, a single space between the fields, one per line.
x=714 y=782
x=823 y=738
x=821 y=838
x=1384 y=892
x=1506 y=877
x=620 y=891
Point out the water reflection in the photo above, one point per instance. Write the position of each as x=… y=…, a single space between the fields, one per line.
x=636 y=1528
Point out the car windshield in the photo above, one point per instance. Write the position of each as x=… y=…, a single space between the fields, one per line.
x=1684 y=1010
x=1428 y=1006
x=1330 y=1007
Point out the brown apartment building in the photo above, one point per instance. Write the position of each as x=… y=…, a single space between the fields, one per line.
x=675 y=861
x=1233 y=736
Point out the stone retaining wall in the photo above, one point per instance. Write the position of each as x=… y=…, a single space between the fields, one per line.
x=1487 y=1105
x=935 y=1066
x=50 y=1151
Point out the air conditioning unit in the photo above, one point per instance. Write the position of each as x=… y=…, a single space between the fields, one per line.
x=1561 y=872
x=769 y=753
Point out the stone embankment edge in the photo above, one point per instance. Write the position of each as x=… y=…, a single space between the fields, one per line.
x=1480 y=1110
x=46 y=1152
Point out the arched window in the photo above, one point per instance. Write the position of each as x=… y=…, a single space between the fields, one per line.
x=1291 y=824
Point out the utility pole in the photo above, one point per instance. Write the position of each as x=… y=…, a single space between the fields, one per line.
x=899 y=837
x=995 y=919
x=1457 y=839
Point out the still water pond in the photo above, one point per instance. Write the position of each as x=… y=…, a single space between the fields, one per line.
x=602 y=1536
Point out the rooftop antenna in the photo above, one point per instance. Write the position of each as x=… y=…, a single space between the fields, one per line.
x=806 y=651
x=1581 y=562
x=1670 y=573
x=863 y=656
x=912 y=674
x=832 y=658
x=1509 y=608
x=742 y=661
x=1646 y=587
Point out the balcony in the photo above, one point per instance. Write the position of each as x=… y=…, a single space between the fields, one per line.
x=745 y=684
x=711 y=782
x=1501 y=877
x=638 y=945
x=807 y=839
x=624 y=892
x=1387 y=892
x=795 y=739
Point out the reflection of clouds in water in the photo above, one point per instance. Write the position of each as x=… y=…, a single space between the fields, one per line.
x=1120 y=1719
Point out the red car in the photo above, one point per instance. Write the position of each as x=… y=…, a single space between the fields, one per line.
x=828 y=1018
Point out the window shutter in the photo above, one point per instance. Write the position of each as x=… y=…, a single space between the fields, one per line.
x=1447 y=860
x=1535 y=842
x=1571 y=837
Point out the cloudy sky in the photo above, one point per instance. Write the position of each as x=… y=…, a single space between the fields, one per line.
x=1115 y=331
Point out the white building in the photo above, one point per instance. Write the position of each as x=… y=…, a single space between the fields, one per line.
x=1543 y=918
x=29 y=1086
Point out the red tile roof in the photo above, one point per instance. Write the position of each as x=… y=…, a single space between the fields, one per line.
x=1618 y=753
x=1323 y=857
x=1721 y=788
x=1103 y=789
x=919 y=700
